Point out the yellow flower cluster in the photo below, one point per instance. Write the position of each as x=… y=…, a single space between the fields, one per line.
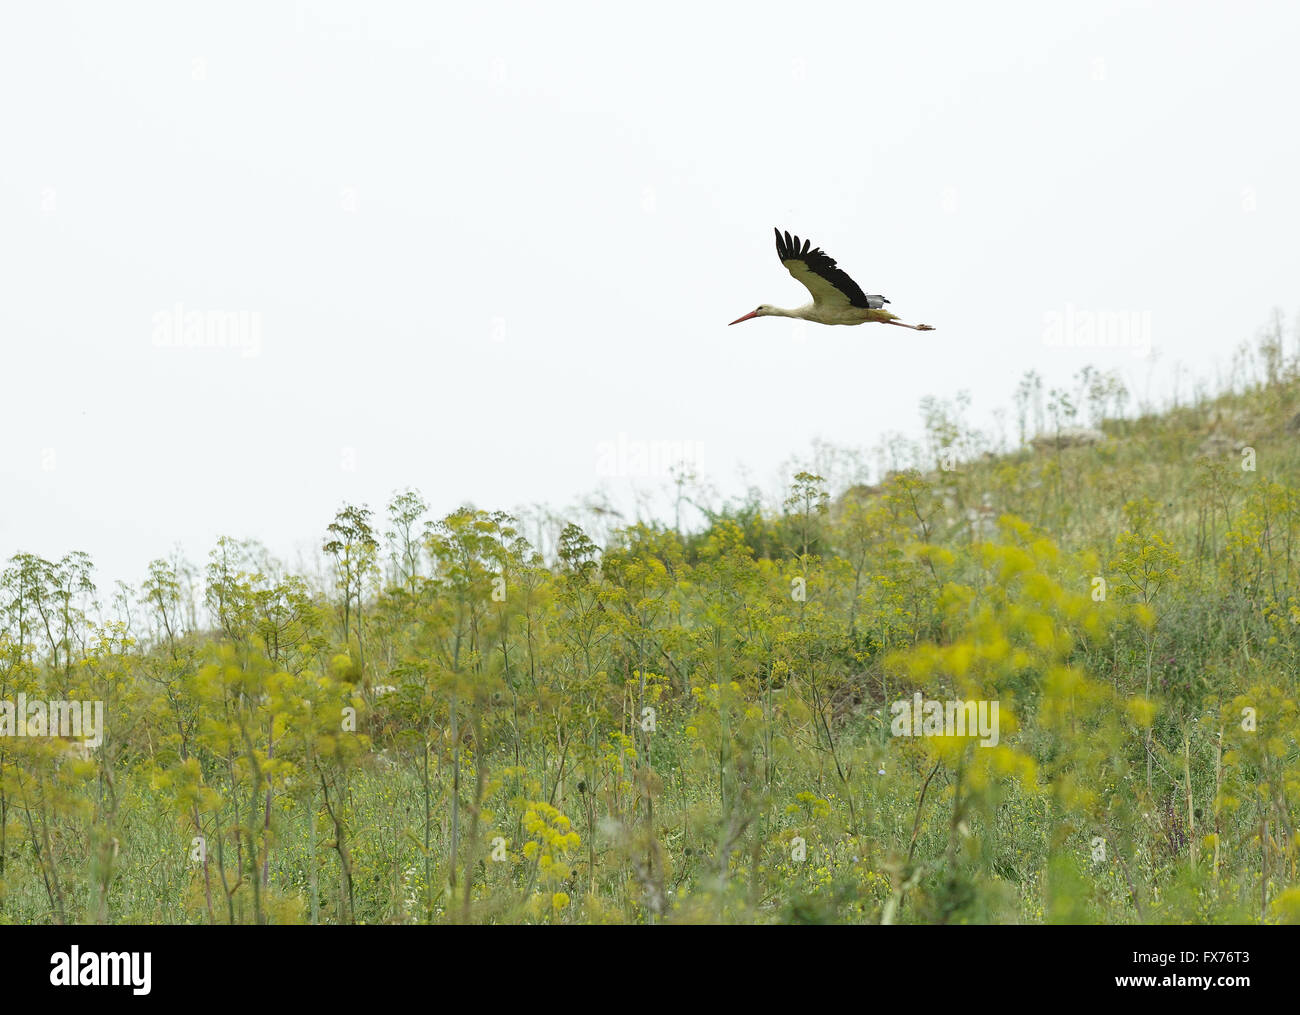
x=813 y=804
x=551 y=837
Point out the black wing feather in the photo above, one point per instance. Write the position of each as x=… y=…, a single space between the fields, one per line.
x=789 y=248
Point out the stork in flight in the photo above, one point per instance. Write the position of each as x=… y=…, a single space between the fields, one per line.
x=837 y=299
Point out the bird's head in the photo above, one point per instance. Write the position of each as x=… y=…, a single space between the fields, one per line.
x=761 y=311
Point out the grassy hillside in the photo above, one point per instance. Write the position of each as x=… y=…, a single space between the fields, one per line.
x=696 y=726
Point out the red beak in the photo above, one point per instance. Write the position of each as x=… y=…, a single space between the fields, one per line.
x=745 y=318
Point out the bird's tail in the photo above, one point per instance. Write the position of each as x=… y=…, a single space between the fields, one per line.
x=876 y=302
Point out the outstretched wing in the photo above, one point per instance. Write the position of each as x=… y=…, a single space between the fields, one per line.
x=828 y=284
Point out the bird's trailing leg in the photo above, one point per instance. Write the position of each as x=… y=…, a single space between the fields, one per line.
x=914 y=327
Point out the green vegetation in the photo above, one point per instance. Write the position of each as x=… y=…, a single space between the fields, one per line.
x=695 y=726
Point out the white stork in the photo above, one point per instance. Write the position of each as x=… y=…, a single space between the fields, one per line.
x=837 y=299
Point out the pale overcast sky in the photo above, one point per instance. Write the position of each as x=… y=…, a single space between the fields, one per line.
x=465 y=245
